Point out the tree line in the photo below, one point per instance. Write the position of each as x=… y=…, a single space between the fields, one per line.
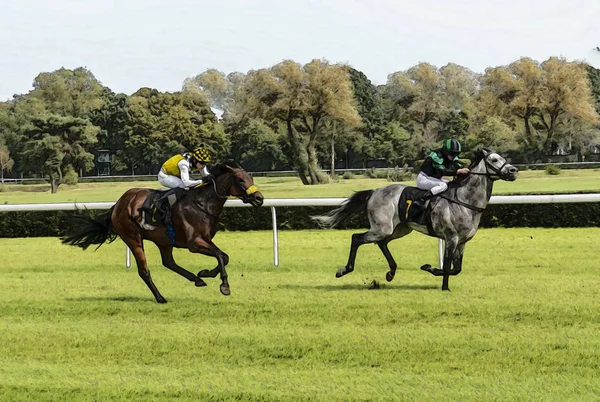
x=302 y=117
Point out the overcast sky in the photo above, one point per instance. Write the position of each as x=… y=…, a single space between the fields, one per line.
x=129 y=44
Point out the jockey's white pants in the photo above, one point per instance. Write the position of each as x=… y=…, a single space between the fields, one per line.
x=436 y=185
x=169 y=181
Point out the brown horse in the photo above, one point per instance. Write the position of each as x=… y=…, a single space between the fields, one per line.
x=194 y=220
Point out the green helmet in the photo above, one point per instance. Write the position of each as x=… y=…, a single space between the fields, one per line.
x=452 y=146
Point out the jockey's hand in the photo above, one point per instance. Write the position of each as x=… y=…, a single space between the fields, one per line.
x=463 y=171
x=208 y=178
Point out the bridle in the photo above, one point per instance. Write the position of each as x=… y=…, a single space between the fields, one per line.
x=496 y=172
x=246 y=192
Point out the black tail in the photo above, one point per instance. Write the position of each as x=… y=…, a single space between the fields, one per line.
x=356 y=203
x=93 y=230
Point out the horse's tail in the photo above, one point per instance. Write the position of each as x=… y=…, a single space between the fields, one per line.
x=356 y=203
x=93 y=230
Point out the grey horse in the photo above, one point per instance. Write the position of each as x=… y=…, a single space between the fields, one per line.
x=454 y=214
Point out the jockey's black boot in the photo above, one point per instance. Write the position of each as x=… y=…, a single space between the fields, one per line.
x=419 y=203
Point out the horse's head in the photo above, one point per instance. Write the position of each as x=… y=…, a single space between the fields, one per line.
x=238 y=183
x=494 y=166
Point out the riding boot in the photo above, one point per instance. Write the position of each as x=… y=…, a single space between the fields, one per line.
x=419 y=203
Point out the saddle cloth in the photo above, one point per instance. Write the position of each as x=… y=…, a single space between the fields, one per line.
x=408 y=214
x=156 y=210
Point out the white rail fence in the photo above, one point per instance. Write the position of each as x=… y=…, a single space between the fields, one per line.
x=273 y=203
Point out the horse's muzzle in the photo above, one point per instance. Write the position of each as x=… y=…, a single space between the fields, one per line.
x=255 y=199
x=510 y=174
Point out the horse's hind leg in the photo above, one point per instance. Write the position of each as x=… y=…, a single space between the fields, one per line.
x=140 y=258
x=358 y=239
x=400 y=231
x=168 y=261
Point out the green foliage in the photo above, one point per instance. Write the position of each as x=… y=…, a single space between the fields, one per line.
x=594 y=77
x=400 y=174
x=53 y=143
x=70 y=177
x=348 y=176
x=55 y=223
x=552 y=170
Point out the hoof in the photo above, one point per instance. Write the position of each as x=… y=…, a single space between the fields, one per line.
x=162 y=300
x=389 y=276
x=426 y=267
x=341 y=272
x=200 y=283
x=203 y=274
x=225 y=290
x=445 y=290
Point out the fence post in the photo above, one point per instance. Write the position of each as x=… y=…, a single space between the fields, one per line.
x=127 y=257
x=275 y=238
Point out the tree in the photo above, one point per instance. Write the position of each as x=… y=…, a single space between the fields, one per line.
x=68 y=92
x=6 y=162
x=54 y=144
x=212 y=83
x=303 y=100
x=257 y=146
x=566 y=90
x=158 y=122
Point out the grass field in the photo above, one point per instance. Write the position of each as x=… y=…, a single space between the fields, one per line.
x=520 y=324
x=290 y=187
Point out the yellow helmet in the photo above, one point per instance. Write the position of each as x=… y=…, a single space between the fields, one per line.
x=201 y=155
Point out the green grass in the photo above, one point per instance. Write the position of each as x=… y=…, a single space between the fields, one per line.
x=538 y=182
x=520 y=324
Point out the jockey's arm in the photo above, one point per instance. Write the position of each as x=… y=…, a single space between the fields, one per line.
x=204 y=172
x=184 y=169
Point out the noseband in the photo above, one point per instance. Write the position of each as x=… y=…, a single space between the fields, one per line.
x=496 y=172
x=246 y=192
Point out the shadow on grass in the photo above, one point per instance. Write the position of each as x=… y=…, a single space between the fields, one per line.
x=129 y=299
x=364 y=286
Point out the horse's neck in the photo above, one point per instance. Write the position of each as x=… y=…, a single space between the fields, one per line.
x=477 y=189
x=211 y=198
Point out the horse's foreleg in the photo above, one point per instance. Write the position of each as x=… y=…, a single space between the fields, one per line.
x=202 y=246
x=451 y=245
x=168 y=261
x=458 y=258
x=205 y=273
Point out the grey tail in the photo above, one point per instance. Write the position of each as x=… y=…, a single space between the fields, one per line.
x=355 y=204
x=92 y=230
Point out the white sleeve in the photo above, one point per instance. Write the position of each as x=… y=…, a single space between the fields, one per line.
x=184 y=169
x=204 y=172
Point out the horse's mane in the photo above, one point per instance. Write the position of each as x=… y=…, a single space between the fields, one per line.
x=478 y=155
x=223 y=167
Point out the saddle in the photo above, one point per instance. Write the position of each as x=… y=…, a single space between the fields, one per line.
x=156 y=210
x=414 y=215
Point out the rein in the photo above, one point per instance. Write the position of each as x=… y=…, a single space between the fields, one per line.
x=497 y=174
x=464 y=204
